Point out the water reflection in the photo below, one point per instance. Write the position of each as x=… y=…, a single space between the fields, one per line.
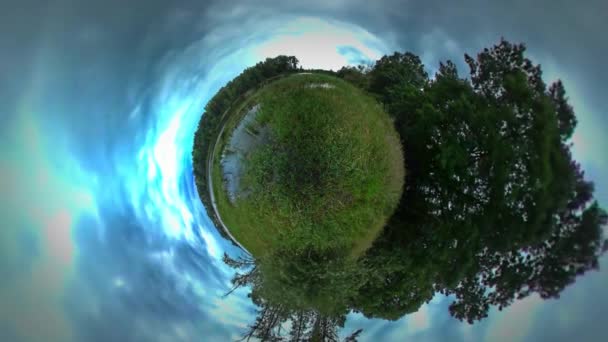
x=302 y=298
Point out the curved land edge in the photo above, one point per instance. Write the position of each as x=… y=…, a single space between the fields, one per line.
x=367 y=160
x=221 y=117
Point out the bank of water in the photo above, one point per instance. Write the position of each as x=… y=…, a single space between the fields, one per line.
x=245 y=138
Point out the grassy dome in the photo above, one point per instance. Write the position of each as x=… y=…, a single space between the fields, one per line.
x=322 y=167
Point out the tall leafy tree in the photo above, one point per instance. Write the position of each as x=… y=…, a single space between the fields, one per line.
x=495 y=208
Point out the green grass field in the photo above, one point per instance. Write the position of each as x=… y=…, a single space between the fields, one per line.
x=329 y=177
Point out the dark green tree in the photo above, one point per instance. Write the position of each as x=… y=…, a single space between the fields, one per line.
x=356 y=75
x=495 y=208
x=299 y=291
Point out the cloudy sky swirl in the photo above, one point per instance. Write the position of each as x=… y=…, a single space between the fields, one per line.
x=102 y=235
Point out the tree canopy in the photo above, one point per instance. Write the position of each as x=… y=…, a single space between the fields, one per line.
x=495 y=207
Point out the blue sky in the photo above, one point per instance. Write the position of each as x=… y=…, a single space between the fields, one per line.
x=103 y=235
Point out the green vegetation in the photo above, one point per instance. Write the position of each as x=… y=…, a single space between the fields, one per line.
x=494 y=207
x=215 y=116
x=329 y=176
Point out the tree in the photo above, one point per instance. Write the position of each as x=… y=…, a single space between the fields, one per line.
x=495 y=208
x=565 y=114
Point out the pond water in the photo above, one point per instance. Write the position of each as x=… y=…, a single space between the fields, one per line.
x=243 y=140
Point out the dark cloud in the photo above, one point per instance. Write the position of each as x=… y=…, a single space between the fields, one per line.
x=128 y=39
x=133 y=285
x=441 y=326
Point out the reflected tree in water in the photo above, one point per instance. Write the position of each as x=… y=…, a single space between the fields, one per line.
x=495 y=208
x=291 y=312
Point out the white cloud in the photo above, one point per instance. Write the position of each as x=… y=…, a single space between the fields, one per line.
x=315 y=43
x=419 y=320
x=514 y=322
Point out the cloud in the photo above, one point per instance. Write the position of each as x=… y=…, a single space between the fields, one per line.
x=418 y=321
x=131 y=287
x=578 y=315
x=321 y=45
x=145 y=262
x=514 y=322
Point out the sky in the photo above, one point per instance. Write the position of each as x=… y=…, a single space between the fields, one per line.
x=103 y=236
